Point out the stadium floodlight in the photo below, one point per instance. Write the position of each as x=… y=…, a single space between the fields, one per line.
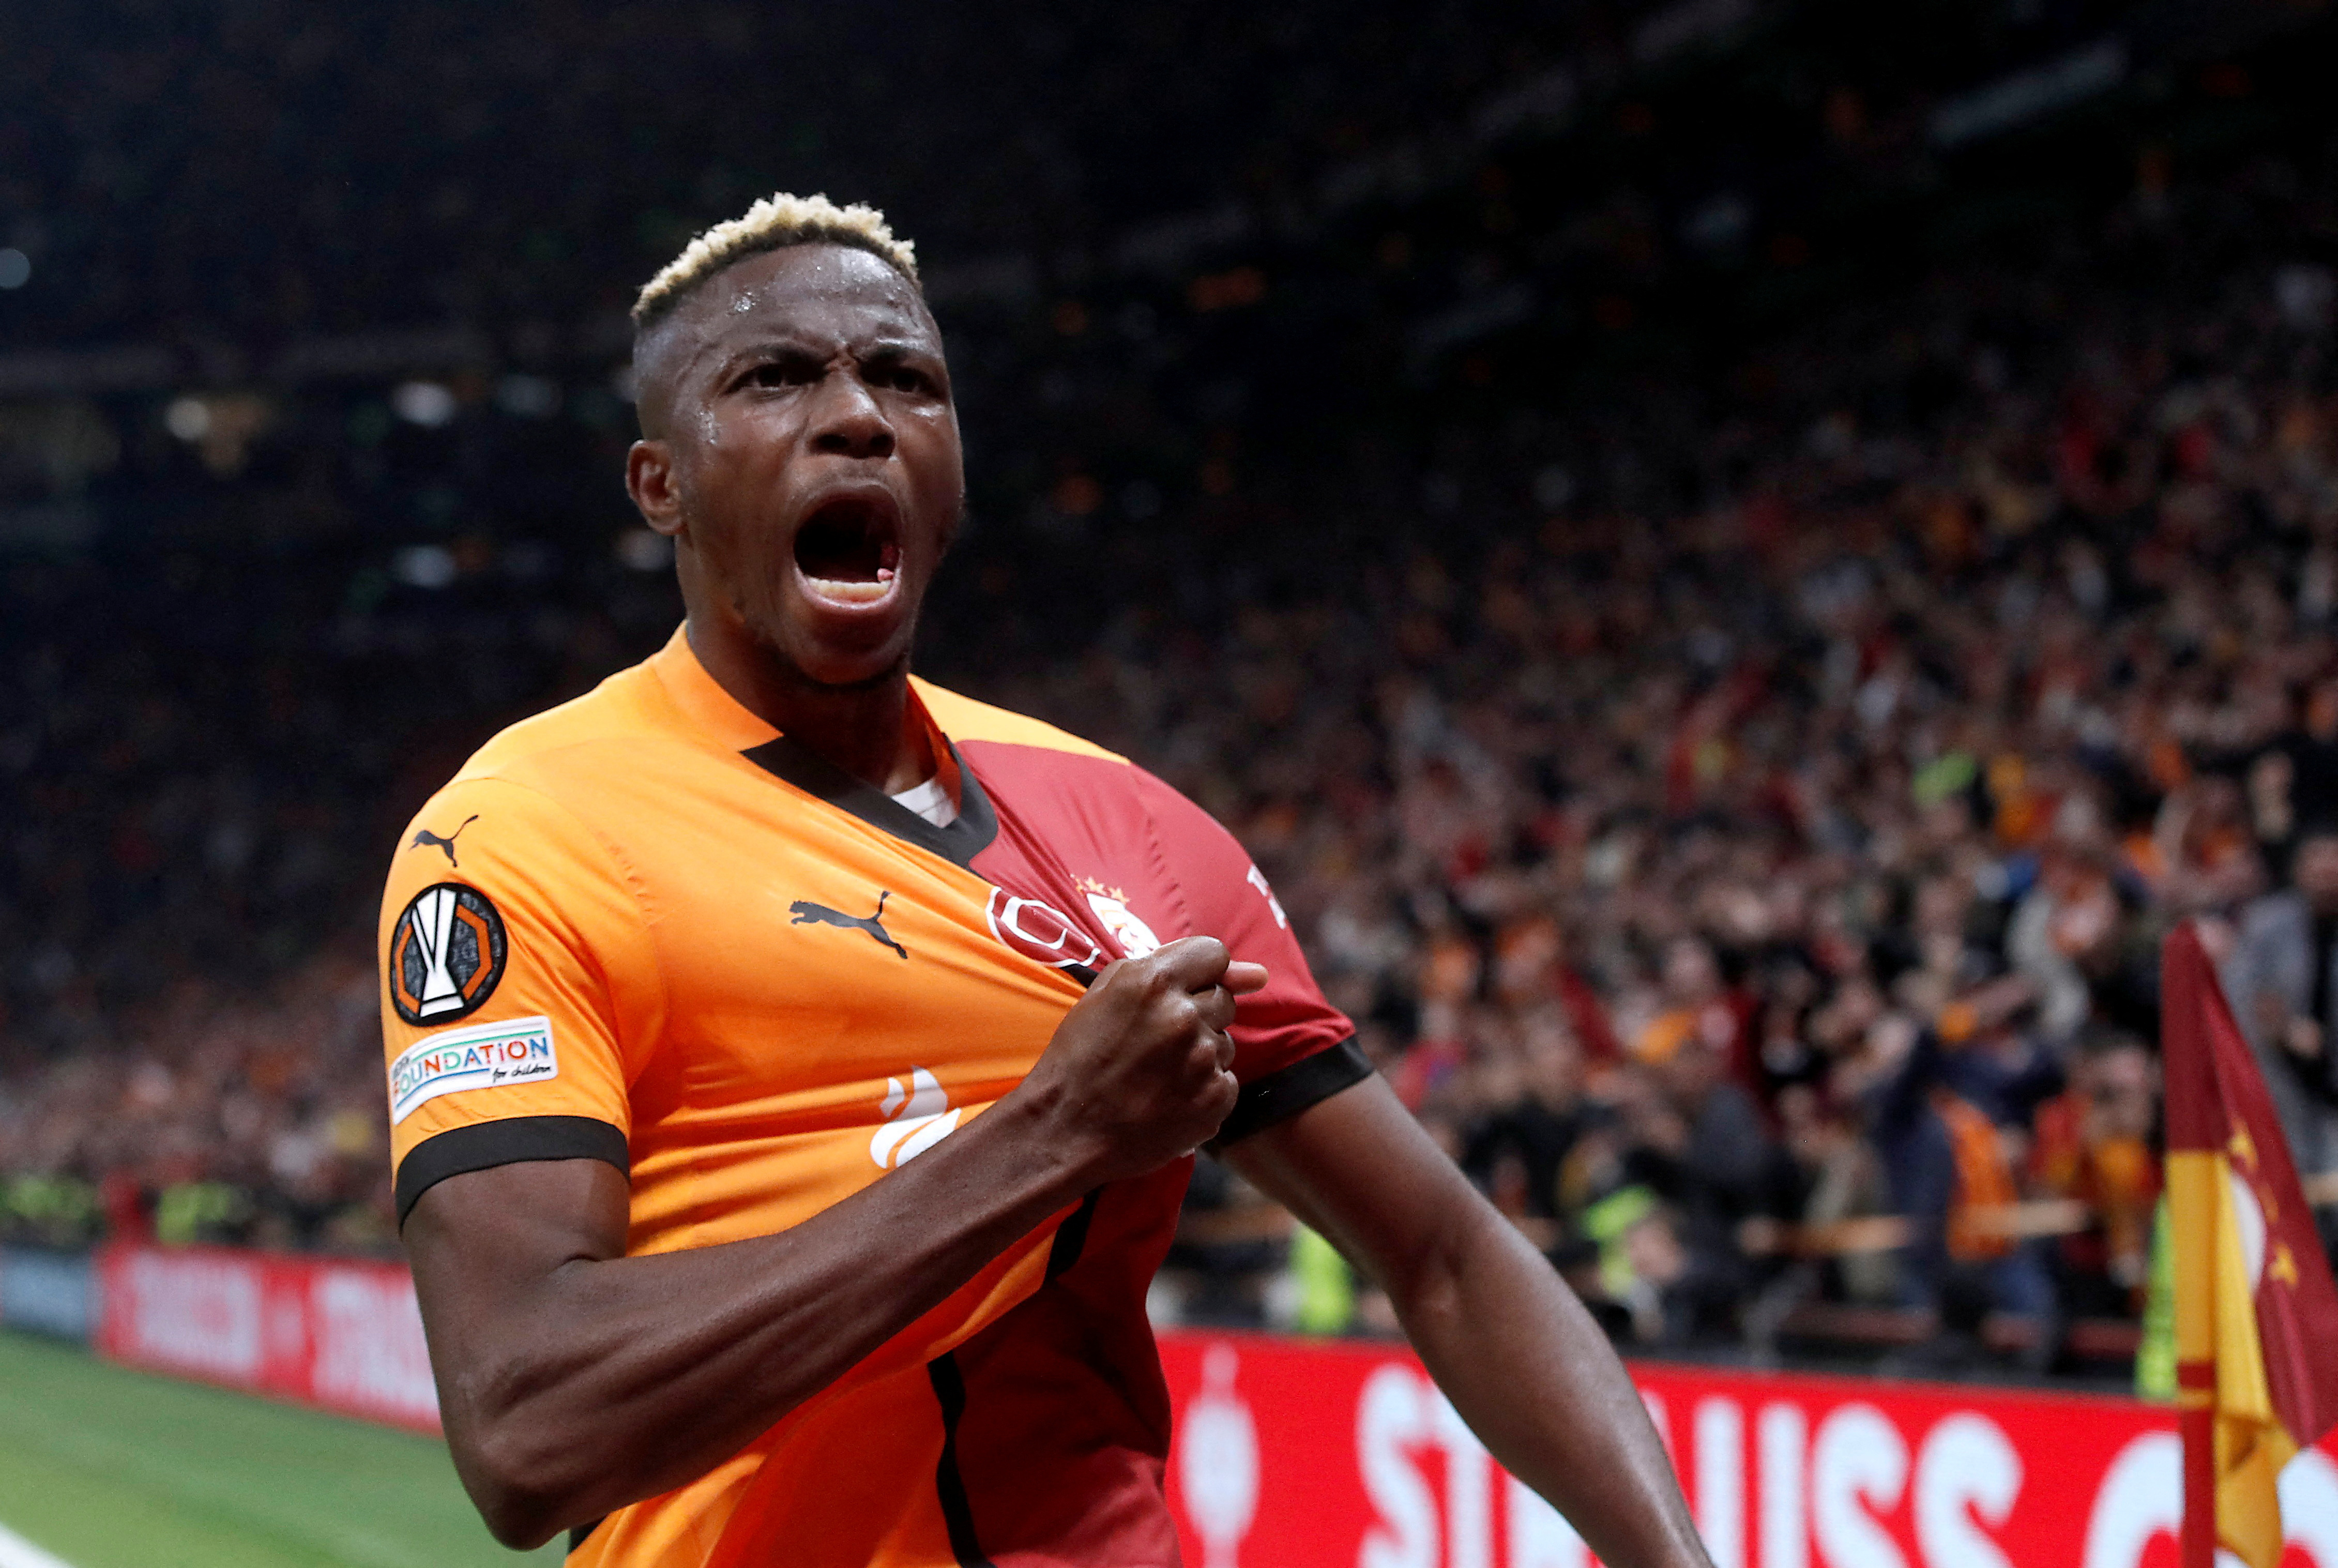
x=423 y=403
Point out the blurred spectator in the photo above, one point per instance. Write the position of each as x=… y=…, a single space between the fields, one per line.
x=2281 y=979
x=1534 y=1112
x=2100 y=1144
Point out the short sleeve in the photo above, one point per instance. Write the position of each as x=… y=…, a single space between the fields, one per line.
x=1292 y=1048
x=516 y=967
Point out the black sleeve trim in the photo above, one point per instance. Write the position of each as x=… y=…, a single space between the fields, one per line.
x=486 y=1144
x=1284 y=1093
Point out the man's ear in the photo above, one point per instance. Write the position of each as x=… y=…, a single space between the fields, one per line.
x=650 y=480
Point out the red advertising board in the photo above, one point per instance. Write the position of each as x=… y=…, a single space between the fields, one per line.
x=1312 y=1456
x=1294 y=1454
x=338 y=1335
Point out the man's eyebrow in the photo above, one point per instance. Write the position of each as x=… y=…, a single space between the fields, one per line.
x=782 y=344
x=776 y=344
x=900 y=348
x=720 y=359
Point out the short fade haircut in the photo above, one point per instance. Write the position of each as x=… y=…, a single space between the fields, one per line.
x=773 y=223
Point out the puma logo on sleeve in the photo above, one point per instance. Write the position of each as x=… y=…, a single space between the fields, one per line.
x=425 y=839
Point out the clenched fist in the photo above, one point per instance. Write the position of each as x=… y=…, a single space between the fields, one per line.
x=1140 y=1072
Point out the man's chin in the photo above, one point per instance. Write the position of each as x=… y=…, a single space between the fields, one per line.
x=837 y=670
x=847 y=679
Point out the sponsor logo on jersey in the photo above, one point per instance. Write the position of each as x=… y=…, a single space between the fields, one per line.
x=1039 y=931
x=1120 y=922
x=446 y=953
x=915 y=1119
x=808 y=913
x=425 y=839
x=477 y=1056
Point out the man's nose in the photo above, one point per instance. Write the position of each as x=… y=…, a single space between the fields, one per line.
x=847 y=420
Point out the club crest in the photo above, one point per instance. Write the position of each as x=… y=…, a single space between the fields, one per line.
x=1120 y=922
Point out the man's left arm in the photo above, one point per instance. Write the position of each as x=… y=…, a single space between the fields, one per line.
x=1506 y=1339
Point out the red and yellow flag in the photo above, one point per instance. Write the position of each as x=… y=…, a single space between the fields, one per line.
x=2256 y=1313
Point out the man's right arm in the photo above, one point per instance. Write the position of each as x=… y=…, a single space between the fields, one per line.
x=574 y=1380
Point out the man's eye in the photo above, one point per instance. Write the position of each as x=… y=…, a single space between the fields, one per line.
x=778 y=373
x=905 y=379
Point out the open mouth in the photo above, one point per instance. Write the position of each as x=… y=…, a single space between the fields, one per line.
x=850 y=550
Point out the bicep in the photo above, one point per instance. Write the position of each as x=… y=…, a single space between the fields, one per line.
x=485 y=1242
x=1360 y=1171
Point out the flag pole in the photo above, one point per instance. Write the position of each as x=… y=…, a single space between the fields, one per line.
x=2196 y=1421
x=2254 y=1374
x=2196 y=1206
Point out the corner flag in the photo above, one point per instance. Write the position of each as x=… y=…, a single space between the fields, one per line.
x=2256 y=1313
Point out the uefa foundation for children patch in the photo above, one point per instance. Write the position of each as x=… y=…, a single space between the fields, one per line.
x=477 y=1056
x=446 y=953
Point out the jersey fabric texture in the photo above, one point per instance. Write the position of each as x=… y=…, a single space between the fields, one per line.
x=645 y=927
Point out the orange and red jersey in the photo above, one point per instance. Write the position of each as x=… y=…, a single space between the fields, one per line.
x=647 y=928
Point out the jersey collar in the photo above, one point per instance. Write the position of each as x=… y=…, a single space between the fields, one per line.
x=702 y=700
x=732 y=726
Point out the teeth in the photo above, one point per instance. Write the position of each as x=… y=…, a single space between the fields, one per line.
x=852 y=593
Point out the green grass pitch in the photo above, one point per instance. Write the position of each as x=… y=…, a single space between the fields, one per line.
x=110 y=1468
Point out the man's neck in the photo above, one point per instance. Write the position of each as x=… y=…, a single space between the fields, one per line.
x=871 y=731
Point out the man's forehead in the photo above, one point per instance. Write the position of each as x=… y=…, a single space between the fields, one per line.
x=811 y=287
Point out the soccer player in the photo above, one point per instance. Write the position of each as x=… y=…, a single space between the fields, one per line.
x=795 y=1067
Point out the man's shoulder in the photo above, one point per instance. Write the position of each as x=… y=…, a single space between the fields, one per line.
x=964 y=720
x=1017 y=752
x=573 y=738
x=552 y=808
x=1032 y=762
x=562 y=772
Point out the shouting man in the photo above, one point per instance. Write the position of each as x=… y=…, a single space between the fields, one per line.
x=795 y=1082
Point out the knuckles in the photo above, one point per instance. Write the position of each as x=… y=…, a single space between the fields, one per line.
x=1218 y=1006
x=1154 y=977
x=1153 y=1048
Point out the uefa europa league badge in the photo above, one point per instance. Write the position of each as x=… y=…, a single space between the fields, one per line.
x=446 y=953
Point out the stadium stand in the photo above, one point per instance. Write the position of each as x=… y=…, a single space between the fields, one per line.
x=1737 y=786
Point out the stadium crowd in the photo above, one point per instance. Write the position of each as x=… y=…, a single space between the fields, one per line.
x=1728 y=821
x=1707 y=879
x=1699 y=879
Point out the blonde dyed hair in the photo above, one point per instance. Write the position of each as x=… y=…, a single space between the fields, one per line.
x=773 y=223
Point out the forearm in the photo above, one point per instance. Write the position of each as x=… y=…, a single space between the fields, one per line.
x=605 y=1380
x=1516 y=1353
x=573 y=1378
x=1533 y=1375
